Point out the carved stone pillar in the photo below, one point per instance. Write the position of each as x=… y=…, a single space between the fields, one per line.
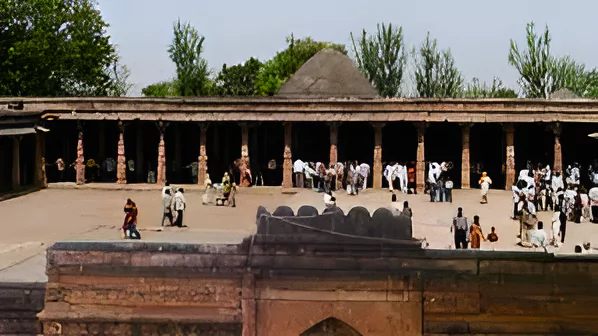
x=40 y=162
x=16 y=157
x=420 y=166
x=80 y=162
x=558 y=152
x=465 y=156
x=244 y=154
x=287 y=166
x=333 y=142
x=202 y=168
x=161 y=171
x=377 y=167
x=121 y=163
x=510 y=166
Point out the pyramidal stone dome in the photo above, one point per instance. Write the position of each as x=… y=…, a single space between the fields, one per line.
x=329 y=73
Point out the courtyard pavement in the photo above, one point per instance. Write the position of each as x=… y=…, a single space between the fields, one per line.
x=33 y=222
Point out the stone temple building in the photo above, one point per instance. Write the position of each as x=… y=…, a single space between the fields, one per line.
x=327 y=112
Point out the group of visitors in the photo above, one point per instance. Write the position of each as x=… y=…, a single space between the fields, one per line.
x=440 y=185
x=464 y=234
x=174 y=205
x=350 y=176
x=403 y=174
x=220 y=194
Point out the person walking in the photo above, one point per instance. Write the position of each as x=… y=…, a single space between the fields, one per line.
x=167 y=210
x=485 y=183
x=475 y=233
x=179 y=205
x=460 y=228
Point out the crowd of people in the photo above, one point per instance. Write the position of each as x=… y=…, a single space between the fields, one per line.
x=350 y=176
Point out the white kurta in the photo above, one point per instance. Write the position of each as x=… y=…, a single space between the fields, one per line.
x=485 y=185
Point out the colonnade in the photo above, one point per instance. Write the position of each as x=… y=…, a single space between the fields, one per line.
x=287 y=183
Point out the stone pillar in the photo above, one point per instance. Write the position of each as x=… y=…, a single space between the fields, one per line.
x=161 y=171
x=139 y=165
x=510 y=166
x=202 y=168
x=558 y=152
x=465 y=156
x=287 y=166
x=80 y=162
x=420 y=166
x=333 y=142
x=377 y=167
x=121 y=163
x=16 y=168
x=40 y=162
x=248 y=305
x=244 y=154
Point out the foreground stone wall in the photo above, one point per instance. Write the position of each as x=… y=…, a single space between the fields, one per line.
x=19 y=305
x=265 y=287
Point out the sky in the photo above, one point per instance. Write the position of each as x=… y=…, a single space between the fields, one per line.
x=477 y=32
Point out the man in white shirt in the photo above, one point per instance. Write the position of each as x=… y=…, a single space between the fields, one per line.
x=389 y=174
x=179 y=206
x=299 y=175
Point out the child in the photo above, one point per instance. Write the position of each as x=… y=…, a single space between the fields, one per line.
x=492 y=236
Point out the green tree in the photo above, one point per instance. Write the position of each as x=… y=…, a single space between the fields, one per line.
x=54 y=48
x=121 y=86
x=275 y=72
x=161 y=89
x=381 y=58
x=534 y=64
x=193 y=75
x=238 y=80
x=436 y=75
x=477 y=89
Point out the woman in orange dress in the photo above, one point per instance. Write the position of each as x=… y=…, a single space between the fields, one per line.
x=475 y=233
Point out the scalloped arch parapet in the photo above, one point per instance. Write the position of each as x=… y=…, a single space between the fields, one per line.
x=385 y=223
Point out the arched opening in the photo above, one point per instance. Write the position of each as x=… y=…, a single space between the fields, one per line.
x=443 y=144
x=356 y=143
x=266 y=143
x=331 y=327
x=487 y=153
x=399 y=144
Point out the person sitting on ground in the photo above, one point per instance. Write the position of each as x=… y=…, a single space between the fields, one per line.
x=492 y=236
x=407 y=210
x=207 y=183
x=537 y=236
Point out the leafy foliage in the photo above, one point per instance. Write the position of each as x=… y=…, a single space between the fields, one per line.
x=54 y=48
x=193 y=75
x=477 y=89
x=161 y=89
x=275 y=72
x=382 y=58
x=436 y=75
x=238 y=80
x=120 y=80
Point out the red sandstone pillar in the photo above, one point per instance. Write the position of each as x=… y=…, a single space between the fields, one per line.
x=420 y=167
x=510 y=142
x=16 y=169
x=558 y=152
x=40 y=162
x=377 y=167
x=465 y=156
x=80 y=163
x=287 y=166
x=248 y=306
x=121 y=163
x=244 y=153
x=333 y=142
x=202 y=168
x=161 y=171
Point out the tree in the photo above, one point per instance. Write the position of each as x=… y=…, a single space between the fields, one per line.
x=477 y=89
x=381 y=58
x=436 y=75
x=567 y=73
x=284 y=64
x=238 y=80
x=119 y=75
x=193 y=75
x=161 y=89
x=54 y=48
x=534 y=64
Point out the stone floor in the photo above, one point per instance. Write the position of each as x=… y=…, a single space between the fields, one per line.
x=33 y=222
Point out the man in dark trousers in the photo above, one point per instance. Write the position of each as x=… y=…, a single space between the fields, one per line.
x=460 y=229
x=563 y=228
